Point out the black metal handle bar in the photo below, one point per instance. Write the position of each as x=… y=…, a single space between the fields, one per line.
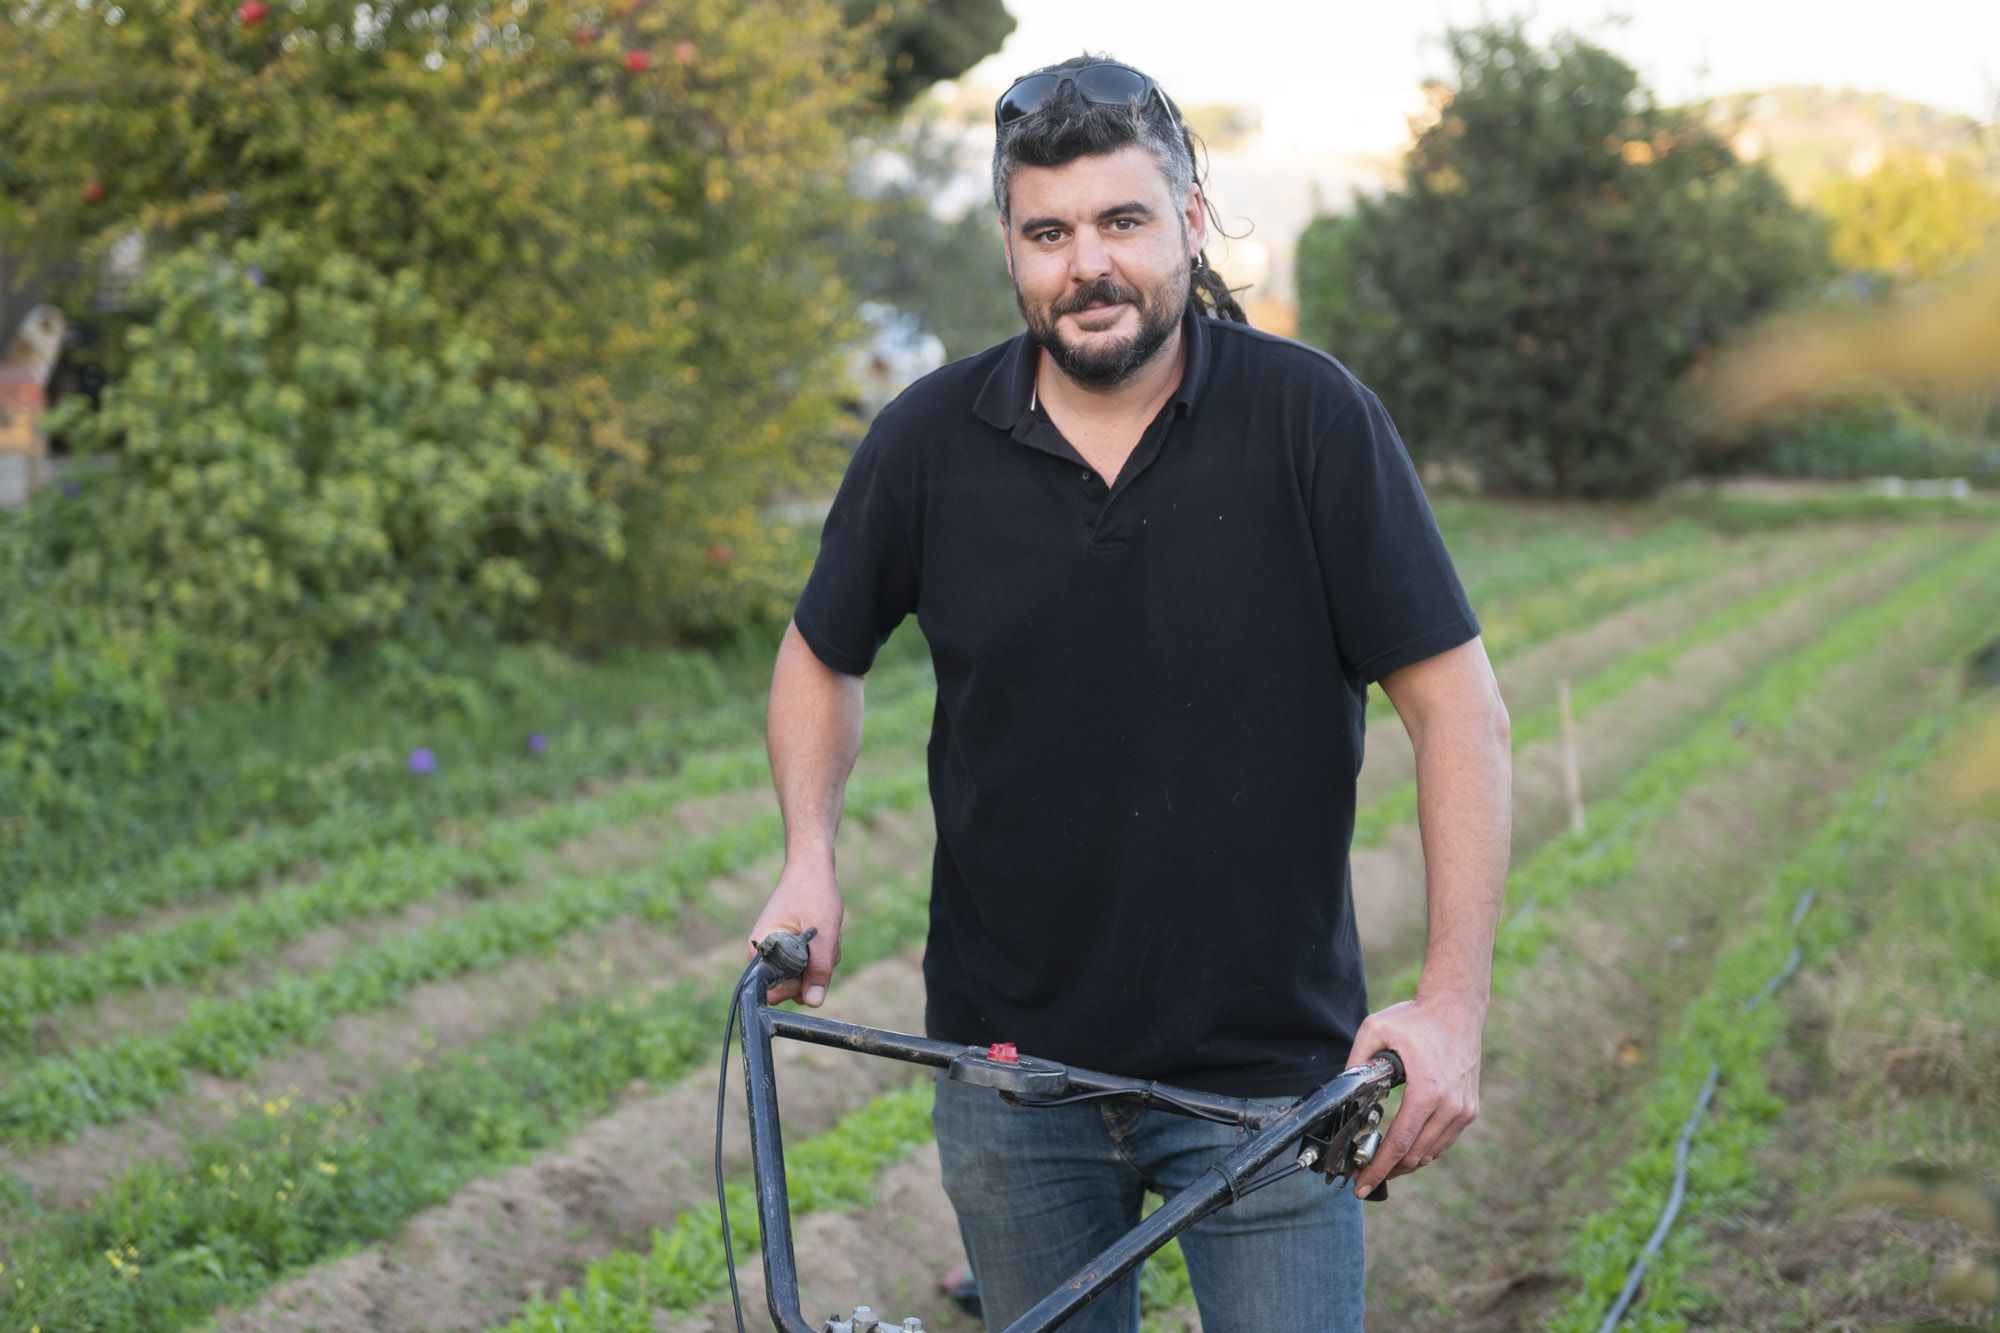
x=1352 y=1092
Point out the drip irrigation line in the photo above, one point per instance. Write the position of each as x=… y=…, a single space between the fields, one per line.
x=1674 y=1198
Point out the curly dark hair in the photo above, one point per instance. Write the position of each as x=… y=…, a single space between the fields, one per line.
x=1066 y=127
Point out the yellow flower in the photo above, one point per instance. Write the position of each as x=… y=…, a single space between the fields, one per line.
x=114 y=1257
x=328 y=1168
x=270 y=1108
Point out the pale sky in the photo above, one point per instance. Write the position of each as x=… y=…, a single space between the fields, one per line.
x=1341 y=76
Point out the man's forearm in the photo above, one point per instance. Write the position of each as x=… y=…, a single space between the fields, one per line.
x=1465 y=814
x=813 y=733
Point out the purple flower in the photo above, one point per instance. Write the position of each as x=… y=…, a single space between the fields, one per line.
x=537 y=742
x=422 y=760
x=72 y=489
x=255 y=274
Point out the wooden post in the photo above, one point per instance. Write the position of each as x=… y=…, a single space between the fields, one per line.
x=1572 y=775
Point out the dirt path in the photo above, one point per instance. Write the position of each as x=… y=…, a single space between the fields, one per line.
x=888 y=1257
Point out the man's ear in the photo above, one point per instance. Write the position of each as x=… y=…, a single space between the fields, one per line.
x=1007 y=246
x=1196 y=217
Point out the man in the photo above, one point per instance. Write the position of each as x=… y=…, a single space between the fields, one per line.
x=1158 y=556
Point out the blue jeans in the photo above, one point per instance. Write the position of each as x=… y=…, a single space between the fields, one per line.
x=1042 y=1191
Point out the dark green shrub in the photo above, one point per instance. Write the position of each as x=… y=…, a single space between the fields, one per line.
x=307 y=459
x=1867 y=433
x=1560 y=254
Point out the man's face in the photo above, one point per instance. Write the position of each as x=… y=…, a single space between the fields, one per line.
x=1100 y=256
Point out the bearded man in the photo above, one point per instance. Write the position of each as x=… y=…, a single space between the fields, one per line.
x=1158 y=557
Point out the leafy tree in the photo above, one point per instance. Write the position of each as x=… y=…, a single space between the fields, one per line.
x=313 y=461
x=1913 y=216
x=607 y=193
x=922 y=41
x=1561 y=254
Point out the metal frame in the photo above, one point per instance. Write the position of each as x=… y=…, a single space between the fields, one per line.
x=1325 y=1123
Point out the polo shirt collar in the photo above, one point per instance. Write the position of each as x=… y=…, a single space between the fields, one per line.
x=1003 y=400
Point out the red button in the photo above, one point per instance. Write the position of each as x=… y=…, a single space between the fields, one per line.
x=1004 y=1052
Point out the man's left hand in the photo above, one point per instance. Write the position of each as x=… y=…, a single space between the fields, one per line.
x=1438 y=1040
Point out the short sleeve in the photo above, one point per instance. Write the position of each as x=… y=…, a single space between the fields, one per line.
x=1390 y=587
x=865 y=579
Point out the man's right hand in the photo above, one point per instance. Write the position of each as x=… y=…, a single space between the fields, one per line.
x=803 y=898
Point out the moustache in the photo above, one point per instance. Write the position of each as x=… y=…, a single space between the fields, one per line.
x=1103 y=292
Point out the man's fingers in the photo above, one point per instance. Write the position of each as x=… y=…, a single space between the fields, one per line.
x=821 y=955
x=1438 y=1136
x=1398 y=1139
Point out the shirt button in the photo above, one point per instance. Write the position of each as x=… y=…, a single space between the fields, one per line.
x=1086 y=474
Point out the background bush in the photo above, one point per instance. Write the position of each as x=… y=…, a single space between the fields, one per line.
x=1561 y=253
x=1868 y=433
x=309 y=461
x=612 y=197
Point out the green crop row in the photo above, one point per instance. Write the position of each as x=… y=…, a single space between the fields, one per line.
x=376 y=881
x=573 y=758
x=1564 y=584
x=284 y=1187
x=1574 y=863
x=53 y=1097
x=1572 y=598
x=1399 y=805
x=1723 y=1028
x=685 y=1268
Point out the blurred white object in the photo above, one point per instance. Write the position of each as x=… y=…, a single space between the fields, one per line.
x=1939 y=488
x=893 y=352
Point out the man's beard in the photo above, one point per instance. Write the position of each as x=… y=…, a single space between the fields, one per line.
x=1104 y=365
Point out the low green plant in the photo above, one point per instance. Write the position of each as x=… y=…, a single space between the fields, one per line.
x=192 y=1238
x=53 y=1097
x=384 y=874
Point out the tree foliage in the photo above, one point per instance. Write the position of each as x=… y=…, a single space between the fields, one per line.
x=610 y=196
x=1914 y=217
x=1561 y=253
x=920 y=42
x=312 y=460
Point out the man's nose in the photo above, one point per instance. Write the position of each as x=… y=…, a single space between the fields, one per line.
x=1090 y=257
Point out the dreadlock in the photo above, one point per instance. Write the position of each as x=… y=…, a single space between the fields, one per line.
x=1066 y=127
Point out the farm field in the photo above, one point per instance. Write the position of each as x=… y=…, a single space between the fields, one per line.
x=436 y=1049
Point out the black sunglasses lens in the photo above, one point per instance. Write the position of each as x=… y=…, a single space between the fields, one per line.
x=1106 y=85
x=1025 y=98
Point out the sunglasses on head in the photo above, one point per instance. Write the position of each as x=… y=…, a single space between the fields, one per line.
x=1105 y=83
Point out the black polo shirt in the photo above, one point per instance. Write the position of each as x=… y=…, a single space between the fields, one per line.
x=1150 y=698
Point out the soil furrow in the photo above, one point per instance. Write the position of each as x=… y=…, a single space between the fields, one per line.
x=471 y=1262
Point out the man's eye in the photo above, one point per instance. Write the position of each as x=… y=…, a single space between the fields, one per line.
x=1124 y=224
x=1050 y=236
